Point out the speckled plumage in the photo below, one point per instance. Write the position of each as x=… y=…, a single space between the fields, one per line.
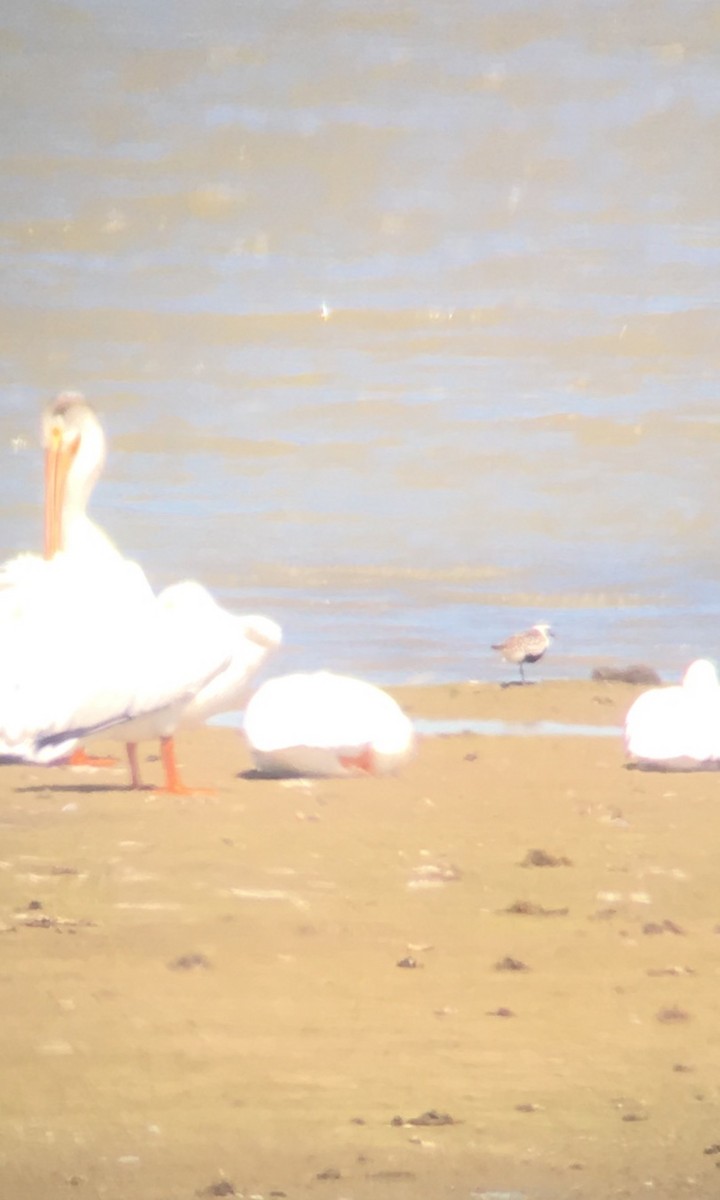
x=527 y=647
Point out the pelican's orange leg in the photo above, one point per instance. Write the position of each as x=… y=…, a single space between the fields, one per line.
x=173 y=782
x=81 y=758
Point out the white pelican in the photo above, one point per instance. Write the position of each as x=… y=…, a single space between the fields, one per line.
x=86 y=647
x=326 y=724
x=677 y=725
x=527 y=647
x=82 y=572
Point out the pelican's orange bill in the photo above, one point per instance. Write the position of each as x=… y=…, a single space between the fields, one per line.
x=58 y=460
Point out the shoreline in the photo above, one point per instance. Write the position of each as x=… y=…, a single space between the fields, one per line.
x=584 y=702
x=567 y=700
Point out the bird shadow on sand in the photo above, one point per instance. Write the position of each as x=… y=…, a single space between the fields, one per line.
x=672 y=768
x=518 y=683
x=86 y=788
x=255 y=776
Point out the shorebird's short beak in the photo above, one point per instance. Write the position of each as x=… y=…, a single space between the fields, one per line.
x=58 y=460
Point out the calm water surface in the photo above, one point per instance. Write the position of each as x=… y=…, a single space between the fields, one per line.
x=403 y=319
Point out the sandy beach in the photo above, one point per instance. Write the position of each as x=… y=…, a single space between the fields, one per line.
x=494 y=973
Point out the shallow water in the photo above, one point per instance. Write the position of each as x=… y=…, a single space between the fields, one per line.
x=403 y=322
x=434 y=727
x=450 y=726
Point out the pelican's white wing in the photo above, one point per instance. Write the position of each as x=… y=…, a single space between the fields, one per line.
x=102 y=657
x=248 y=642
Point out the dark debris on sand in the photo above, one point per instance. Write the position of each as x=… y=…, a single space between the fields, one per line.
x=527 y=908
x=190 y=962
x=672 y=1014
x=542 y=858
x=636 y=673
x=666 y=926
x=431 y=1117
x=511 y=964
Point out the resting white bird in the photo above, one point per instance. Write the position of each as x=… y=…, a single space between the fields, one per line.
x=86 y=647
x=677 y=725
x=326 y=724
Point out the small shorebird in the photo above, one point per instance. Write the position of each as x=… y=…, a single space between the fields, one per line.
x=527 y=647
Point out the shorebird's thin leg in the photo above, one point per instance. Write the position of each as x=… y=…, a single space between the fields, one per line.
x=522 y=673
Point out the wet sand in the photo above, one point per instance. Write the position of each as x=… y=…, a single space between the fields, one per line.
x=497 y=972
